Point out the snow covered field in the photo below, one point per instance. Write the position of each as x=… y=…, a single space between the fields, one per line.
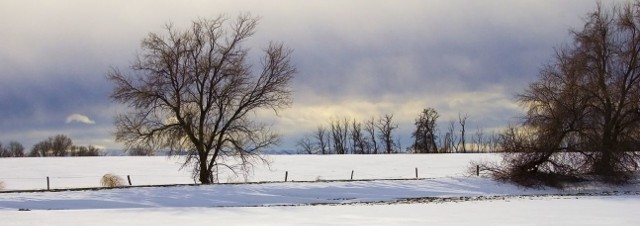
x=446 y=197
x=31 y=173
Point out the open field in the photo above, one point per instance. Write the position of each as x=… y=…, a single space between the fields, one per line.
x=31 y=173
x=444 y=196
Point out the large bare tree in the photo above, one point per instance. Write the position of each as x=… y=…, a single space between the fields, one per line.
x=192 y=91
x=584 y=110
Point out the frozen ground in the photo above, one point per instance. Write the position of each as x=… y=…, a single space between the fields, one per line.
x=446 y=197
x=548 y=211
x=31 y=173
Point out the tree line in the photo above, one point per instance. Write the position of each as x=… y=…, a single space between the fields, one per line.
x=56 y=146
x=378 y=136
x=347 y=136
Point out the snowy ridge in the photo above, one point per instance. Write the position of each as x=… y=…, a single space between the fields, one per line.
x=288 y=194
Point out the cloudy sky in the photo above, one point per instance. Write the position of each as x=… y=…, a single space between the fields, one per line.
x=356 y=59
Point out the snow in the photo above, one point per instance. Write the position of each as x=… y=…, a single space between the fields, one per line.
x=246 y=195
x=372 y=202
x=31 y=173
x=612 y=210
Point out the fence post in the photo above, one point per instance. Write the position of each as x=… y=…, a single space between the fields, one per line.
x=417 y=173
x=129 y=179
x=286 y=174
x=48 y=184
x=477 y=170
x=351 y=174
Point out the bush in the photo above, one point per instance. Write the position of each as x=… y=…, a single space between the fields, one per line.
x=2 y=185
x=534 y=169
x=112 y=181
x=141 y=151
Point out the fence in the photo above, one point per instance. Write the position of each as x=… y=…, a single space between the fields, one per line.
x=79 y=182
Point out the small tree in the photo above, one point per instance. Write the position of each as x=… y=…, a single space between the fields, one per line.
x=358 y=140
x=386 y=127
x=85 y=151
x=452 y=139
x=370 y=128
x=340 y=135
x=193 y=92
x=15 y=149
x=322 y=137
x=141 y=151
x=306 y=145
x=424 y=134
x=462 y=145
x=480 y=141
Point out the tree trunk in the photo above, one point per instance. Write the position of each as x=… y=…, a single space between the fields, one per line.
x=205 y=174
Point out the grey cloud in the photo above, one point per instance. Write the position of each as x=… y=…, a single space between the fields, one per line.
x=389 y=56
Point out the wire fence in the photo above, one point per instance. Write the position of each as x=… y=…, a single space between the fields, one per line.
x=12 y=184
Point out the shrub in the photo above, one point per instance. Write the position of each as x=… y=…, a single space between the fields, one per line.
x=141 y=151
x=1 y=185
x=112 y=181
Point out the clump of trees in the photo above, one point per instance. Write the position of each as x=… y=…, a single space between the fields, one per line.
x=583 y=113
x=349 y=136
x=141 y=151
x=377 y=136
x=61 y=145
x=192 y=92
x=13 y=149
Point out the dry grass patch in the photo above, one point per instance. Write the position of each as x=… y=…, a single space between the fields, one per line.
x=112 y=181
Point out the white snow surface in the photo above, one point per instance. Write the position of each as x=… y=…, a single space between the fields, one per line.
x=77 y=172
x=319 y=202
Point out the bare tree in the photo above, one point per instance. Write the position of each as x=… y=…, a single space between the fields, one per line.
x=494 y=143
x=447 y=143
x=370 y=128
x=425 y=132
x=339 y=135
x=15 y=149
x=386 y=126
x=358 y=140
x=85 y=151
x=321 y=136
x=40 y=149
x=479 y=141
x=585 y=108
x=141 y=150
x=59 y=145
x=454 y=142
x=193 y=92
x=462 y=121
x=306 y=145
